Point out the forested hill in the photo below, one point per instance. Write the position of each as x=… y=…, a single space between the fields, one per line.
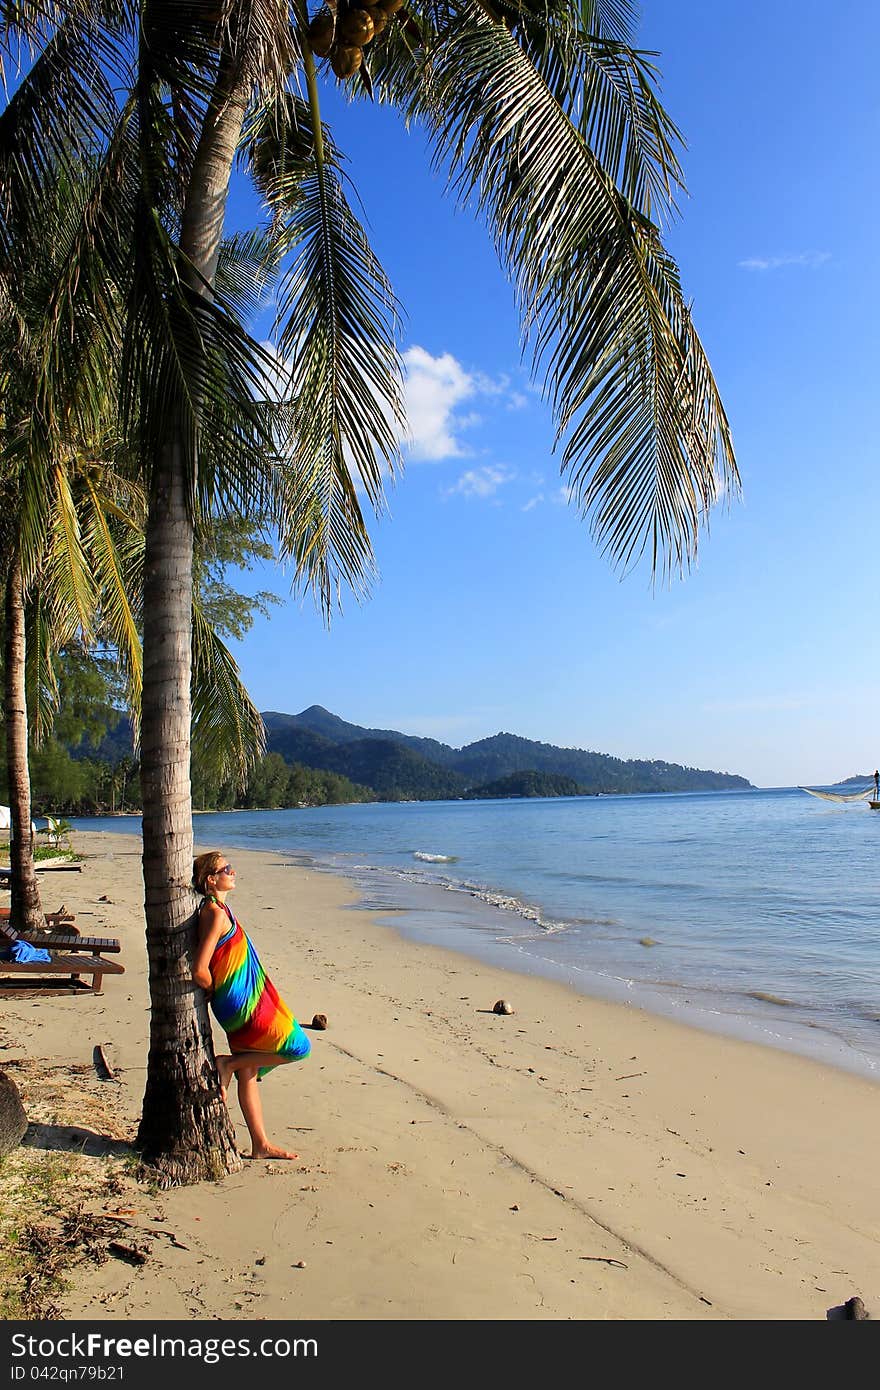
x=404 y=767
x=525 y=784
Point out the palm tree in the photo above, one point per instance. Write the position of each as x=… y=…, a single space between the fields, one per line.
x=73 y=515
x=547 y=119
x=27 y=911
x=45 y=460
x=73 y=518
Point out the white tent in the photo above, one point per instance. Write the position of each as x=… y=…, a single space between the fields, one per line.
x=6 y=819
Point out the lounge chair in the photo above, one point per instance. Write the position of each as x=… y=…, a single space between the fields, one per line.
x=62 y=935
x=63 y=973
x=6 y=873
x=55 y=830
x=60 y=975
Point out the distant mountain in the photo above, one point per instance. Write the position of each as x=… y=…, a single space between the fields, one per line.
x=116 y=745
x=504 y=754
x=297 y=743
x=405 y=767
x=320 y=721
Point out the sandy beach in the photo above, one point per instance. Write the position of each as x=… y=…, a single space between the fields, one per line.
x=574 y=1160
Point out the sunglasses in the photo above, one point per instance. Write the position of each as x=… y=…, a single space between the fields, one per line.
x=225 y=869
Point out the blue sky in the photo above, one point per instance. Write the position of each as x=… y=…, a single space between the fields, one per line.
x=493 y=610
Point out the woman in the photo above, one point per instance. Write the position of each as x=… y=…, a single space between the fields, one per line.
x=262 y=1031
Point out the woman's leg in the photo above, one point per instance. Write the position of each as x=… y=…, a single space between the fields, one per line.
x=252 y=1109
x=228 y=1065
x=247 y=1065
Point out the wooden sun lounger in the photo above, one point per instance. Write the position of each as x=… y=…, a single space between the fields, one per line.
x=66 y=941
x=61 y=975
x=6 y=874
x=60 y=939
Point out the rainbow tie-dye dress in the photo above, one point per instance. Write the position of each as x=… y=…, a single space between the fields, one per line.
x=247 y=1005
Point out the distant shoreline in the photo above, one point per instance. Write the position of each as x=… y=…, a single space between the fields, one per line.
x=430 y=800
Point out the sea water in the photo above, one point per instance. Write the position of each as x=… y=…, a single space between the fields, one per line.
x=755 y=913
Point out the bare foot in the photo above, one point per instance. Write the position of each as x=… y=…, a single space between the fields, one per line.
x=270 y=1151
x=224 y=1071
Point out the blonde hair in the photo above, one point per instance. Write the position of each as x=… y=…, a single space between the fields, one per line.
x=203 y=867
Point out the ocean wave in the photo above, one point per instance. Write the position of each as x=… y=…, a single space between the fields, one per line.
x=504 y=902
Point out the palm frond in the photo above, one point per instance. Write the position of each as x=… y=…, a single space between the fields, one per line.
x=185 y=358
x=603 y=84
x=113 y=537
x=62 y=108
x=179 y=44
x=32 y=506
x=80 y=320
x=40 y=670
x=248 y=260
x=646 y=441
x=615 y=20
x=341 y=375
x=262 y=34
x=228 y=732
x=195 y=52
x=188 y=358
x=67 y=575
x=278 y=149
x=610 y=92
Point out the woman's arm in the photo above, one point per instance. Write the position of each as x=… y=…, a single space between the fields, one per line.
x=212 y=924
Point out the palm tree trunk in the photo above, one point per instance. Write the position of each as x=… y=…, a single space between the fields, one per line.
x=26 y=908
x=185 y=1132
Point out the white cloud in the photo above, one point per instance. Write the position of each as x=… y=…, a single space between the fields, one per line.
x=469 y=421
x=533 y=502
x=435 y=386
x=436 y=389
x=441 y=396
x=481 y=482
x=810 y=260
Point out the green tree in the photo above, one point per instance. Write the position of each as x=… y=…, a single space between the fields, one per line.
x=547 y=119
x=89 y=695
x=221 y=544
x=58 y=781
x=64 y=572
x=73 y=555
x=267 y=785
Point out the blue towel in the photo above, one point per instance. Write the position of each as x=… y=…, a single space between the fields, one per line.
x=23 y=950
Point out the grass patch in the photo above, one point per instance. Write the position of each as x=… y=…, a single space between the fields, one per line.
x=41 y=853
x=47 y=852
x=44 y=1234
x=50 y=1187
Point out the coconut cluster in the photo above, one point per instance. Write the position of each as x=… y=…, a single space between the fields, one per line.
x=342 y=37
